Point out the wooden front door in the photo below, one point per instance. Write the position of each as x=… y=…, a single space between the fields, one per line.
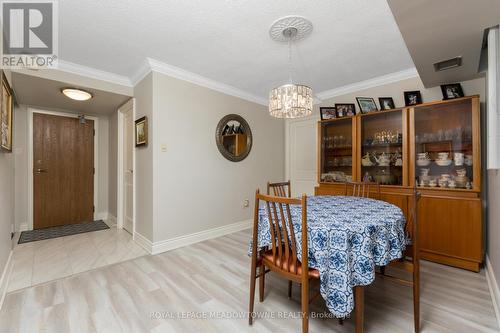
x=63 y=170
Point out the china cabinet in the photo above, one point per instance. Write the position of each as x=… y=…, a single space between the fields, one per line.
x=434 y=146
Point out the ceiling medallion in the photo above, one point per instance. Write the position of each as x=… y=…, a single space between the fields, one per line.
x=290 y=100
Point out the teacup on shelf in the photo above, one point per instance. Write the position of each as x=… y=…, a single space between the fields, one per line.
x=461 y=172
x=443 y=155
x=468 y=160
x=424 y=172
x=459 y=159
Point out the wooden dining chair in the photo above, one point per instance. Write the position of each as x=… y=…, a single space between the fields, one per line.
x=410 y=261
x=362 y=189
x=282 y=189
x=282 y=257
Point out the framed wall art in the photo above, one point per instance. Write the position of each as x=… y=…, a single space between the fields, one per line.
x=6 y=111
x=141 y=132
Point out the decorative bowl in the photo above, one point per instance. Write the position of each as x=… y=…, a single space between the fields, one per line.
x=423 y=163
x=443 y=162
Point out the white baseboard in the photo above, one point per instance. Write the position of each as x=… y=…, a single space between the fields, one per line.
x=143 y=242
x=4 y=280
x=494 y=289
x=23 y=227
x=111 y=221
x=177 y=242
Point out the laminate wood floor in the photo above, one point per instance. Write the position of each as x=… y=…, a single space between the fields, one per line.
x=204 y=288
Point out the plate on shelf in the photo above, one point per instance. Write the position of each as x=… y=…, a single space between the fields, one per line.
x=443 y=162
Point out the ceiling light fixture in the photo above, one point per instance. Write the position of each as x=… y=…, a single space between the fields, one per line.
x=77 y=94
x=290 y=100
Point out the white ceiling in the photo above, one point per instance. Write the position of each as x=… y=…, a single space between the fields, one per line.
x=41 y=92
x=228 y=41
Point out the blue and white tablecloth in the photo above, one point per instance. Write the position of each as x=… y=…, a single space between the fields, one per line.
x=347 y=238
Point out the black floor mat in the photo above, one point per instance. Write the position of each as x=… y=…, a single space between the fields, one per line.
x=60 y=231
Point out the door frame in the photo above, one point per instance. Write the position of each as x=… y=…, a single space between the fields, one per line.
x=31 y=200
x=120 y=197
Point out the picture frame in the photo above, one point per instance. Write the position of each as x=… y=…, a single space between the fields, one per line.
x=141 y=132
x=328 y=113
x=412 y=98
x=386 y=103
x=452 y=91
x=345 y=110
x=6 y=114
x=366 y=104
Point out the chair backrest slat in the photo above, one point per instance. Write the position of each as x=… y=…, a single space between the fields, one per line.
x=271 y=228
x=293 y=245
x=362 y=189
x=282 y=231
x=282 y=189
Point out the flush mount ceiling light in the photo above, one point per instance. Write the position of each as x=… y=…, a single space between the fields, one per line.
x=290 y=100
x=76 y=94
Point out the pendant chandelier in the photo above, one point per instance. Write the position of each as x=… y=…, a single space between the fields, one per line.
x=290 y=100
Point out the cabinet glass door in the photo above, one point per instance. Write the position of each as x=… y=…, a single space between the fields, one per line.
x=443 y=145
x=336 y=151
x=382 y=148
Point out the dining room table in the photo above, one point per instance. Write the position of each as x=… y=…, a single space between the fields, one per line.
x=347 y=238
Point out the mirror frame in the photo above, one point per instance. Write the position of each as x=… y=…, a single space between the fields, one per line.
x=218 y=137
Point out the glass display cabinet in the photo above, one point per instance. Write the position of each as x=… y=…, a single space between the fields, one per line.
x=337 y=150
x=382 y=148
x=444 y=154
x=434 y=146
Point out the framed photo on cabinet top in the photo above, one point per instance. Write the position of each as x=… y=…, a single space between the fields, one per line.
x=345 y=110
x=386 y=103
x=412 y=98
x=451 y=91
x=328 y=113
x=366 y=104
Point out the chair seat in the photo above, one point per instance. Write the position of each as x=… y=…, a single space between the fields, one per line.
x=268 y=259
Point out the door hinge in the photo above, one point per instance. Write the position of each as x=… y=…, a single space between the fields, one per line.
x=93 y=170
x=93 y=209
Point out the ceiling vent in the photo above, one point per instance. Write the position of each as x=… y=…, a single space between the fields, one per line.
x=448 y=64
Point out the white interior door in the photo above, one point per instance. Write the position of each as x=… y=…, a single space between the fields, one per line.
x=301 y=155
x=128 y=171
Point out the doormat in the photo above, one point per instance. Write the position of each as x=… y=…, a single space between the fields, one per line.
x=61 y=231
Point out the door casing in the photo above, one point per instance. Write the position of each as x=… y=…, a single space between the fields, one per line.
x=31 y=111
x=120 y=205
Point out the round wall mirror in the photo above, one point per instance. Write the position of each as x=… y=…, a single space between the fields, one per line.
x=233 y=137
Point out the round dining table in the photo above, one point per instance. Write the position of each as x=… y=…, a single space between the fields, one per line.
x=347 y=238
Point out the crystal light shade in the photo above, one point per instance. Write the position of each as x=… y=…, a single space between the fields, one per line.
x=291 y=101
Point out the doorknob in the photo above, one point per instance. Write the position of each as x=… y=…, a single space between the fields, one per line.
x=40 y=170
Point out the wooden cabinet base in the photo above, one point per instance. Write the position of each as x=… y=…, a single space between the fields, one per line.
x=450 y=222
x=450 y=261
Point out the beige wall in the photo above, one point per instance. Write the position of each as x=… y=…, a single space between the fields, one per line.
x=493 y=239
x=7 y=206
x=143 y=94
x=22 y=167
x=196 y=188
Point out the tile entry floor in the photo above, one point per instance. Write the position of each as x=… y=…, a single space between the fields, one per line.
x=172 y=291
x=51 y=259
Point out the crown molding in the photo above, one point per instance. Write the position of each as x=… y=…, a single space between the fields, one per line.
x=370 y=83
x=70 y=67
x=181 y=74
